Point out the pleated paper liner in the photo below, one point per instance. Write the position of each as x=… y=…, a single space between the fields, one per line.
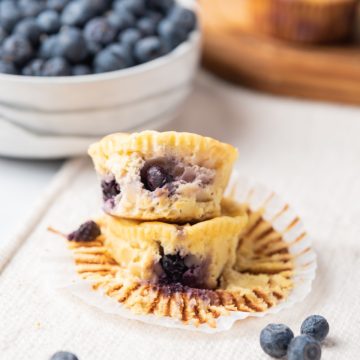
x=274 y=270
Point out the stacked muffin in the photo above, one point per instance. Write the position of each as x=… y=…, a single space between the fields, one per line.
x=165 y=219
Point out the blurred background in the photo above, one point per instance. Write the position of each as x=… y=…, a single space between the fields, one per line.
x=279 y=79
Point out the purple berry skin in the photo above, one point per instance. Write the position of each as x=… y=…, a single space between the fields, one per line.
x=129 y=37
x=154 y=177
x=64 y=355
x=56 y=66
x=315 y=326
x=100 y=31
x=148 y=49
x=110 y=189
x=113 y=57
x=34 y=68
x=275 y=339
x=49 y=21
x=7 y=68
x=304 y=347
x=71 y=45
x=79 y=70
x=88 y=231
x=17 y=49
x=29 y=29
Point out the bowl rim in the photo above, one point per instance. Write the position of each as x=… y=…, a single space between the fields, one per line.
x=193 y=40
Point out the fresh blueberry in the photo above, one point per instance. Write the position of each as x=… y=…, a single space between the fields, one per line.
x=183 y=18
x=88 y=231
x=49 y=21
x=34 y=68
x=49 y=47
x=275 y=339
x=9 y=14
x=17 y=49
x=129 y=37
x=148 y=49
x=154 y=177
x=29 y=29
x=7 y=68
x=171 y=35
x=114 y=57
x=56 y=66
x=99 y=30
x=57 y=5
x=304 y=347
x=147 y=26
x=161 y=5
x=3 y=34
x=110 y=189
x=31 y=8
x=154 y=16
x=136 y=7
x=121 y=21
x=64 y=355
x=72 y=45
x=315 y=326
x=93 y=47
x=77 y=13
x=79 y=70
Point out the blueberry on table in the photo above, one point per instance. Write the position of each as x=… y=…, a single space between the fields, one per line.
x=135 y=7
x=49 y=21
x=304 y=347
x=112 y=58
x=79 y=70
x=88 y=231
x=148 y=49
x=99 y=30
x=29 y=29
x=56 y=67
x=34 y=68
x=9 y=14
x=147 y=26
x=17 y=49
x=64 y=355
x=275 y=339
x=129 y=37
x=121 y=20
x=31 y=8
x=57 y=5
x=71 y=45
x=315 y=326
x=7 y=68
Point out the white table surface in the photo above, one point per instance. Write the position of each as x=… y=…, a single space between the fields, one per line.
x=21 y=185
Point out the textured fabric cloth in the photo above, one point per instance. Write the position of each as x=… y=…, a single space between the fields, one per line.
x=308 y=153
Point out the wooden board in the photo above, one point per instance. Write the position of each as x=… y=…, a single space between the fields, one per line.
x=330 y=73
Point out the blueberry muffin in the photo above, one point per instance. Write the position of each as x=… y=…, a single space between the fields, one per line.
x=307 y=21
x=169 y=176
x=192 y=255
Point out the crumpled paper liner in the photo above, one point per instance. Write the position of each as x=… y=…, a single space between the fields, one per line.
x=275 y=268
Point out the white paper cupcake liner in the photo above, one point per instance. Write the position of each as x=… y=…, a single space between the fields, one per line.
x=60 y=270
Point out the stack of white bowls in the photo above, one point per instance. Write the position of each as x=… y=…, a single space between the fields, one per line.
x=60 y=117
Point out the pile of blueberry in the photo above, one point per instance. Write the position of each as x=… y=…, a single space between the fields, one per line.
x=80 y=37
x=277 y=340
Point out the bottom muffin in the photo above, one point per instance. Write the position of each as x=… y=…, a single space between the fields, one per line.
x=261 y=277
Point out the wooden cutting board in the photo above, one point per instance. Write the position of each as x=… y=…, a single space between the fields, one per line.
x=330 y=73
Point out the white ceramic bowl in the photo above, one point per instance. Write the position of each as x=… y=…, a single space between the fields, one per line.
x=87 y=107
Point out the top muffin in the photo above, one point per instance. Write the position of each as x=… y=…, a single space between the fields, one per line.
x=178 y=177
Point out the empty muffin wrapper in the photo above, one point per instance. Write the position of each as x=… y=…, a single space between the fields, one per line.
x=277 y=274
